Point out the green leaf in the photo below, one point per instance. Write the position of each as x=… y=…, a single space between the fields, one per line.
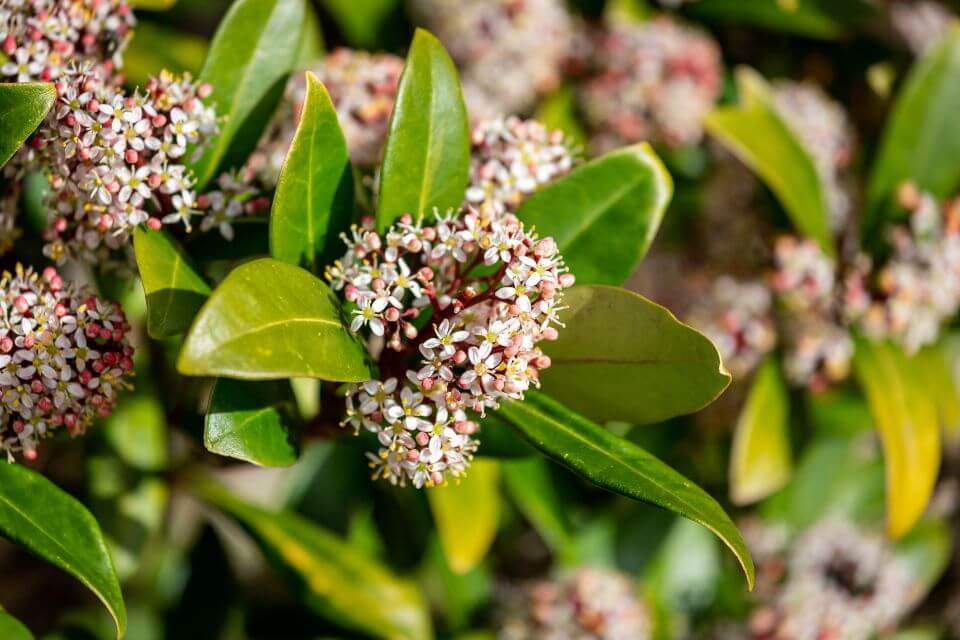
x=361 y=20
x=801 y=17
x=248 y=421
x=23 y=106
x=311 y=40
x=760 y=462
x=466 y=514
x=314 y=198
x=337 y=580
x=620 y=466
x=622 y=357
x=13 y=629
x=941 y=383
x=909 y=432
x=921 y=141
x=37 y=515
x=426 y=158
x=529 y=484
x=254 y=49
x=174 y=290
x=155 y=47
x=686 y=569
x=604 y=214
x=152 y=5
x=137 y=430
x=269 y=320
x=755 y=133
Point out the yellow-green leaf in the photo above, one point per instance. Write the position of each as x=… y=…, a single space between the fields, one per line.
x=249 y=421
x=13 y=629
x=466 y=513
x=23 y=106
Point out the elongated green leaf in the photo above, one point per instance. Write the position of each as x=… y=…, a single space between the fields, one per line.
x=605 y=214
x=620 y=466
x=174 y=290
x=427 y=154
x=23 y=106
x=921 y=141
x=755 y=133
x=38 y=516
x=248 y=421
x=760 y=460
x=467 y=514
x=361 y=20
x=269 y=320
x=153 y=5
x=13 y=629
x=802 y=17
x=314 y=198
x=338 y=581
x=531 y=487
x=907 y=421
x=253 y=51
x=622 y=357
x=941 y=383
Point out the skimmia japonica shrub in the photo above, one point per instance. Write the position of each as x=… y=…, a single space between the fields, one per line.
x=372 y=292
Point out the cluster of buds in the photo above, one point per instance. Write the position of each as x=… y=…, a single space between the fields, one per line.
x=825 y=131
x=738 y=317
x=654 y=81
x=921 y=24
x=64 y=355
x=840 y=582
x=42 y=39
x=508 y=51
x=917 y=289
x=492 y=291
x=590 y=603
x=116 y=160
x=362 y=87
x=511 y=158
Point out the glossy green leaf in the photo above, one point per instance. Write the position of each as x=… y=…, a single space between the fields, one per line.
x=155 y=47
x=921 y=141
x=13 y=629
x=604 y=214
x=622 y=357
x=426 y=158
x=909 y=432
x=531 y=487
x=337 y=580
x=269 y=320
x=466 y=513
x=760 y=461
x=39 y=516
x=23 y=106
x=755 y=133
x=174 y=290
x=620 y=466
x=249 y=421
x=314 y=198
x=254 y=49
x=361 y=20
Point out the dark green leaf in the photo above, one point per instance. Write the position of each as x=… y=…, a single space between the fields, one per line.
x=269 y=320
x=248 y=421
x=622 y=357
x=338 y=581
x=13 y=629
x=620 y=466
x=314 y=198
x=23 y=106
x=427 y=154
x=37 y=515
x=155 y=47
x=921 y=141
x=253 y=51
x=605 y=214
x=755 y=133
x=174 y=290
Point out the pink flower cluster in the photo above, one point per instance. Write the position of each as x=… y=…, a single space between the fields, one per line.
x=653 y=81
x=64 y=356
x=42 y=39
x=511 y=158
x=491 y=291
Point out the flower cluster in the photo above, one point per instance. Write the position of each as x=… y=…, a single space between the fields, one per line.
x=64 y=355
x=918 y=288
x=737 y=317
x=42 y=39
x=509 y=51
x=115 y=160
x=491 y=291
x=654 y=80
x=921 y=24
x=840 y=582
x=826 y=132
x=362 y=87
x=590 y=603
x=511 y=158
